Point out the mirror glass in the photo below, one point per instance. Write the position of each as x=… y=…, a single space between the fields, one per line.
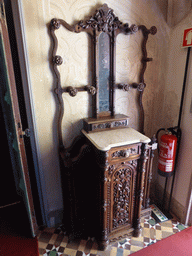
x=104 y=72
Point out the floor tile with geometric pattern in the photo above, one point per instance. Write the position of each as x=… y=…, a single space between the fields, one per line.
x=53 y=242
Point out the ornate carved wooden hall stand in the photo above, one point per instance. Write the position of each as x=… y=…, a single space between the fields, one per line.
x=106 y=173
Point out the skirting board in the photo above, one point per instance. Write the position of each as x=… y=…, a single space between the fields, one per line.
x=55 y=218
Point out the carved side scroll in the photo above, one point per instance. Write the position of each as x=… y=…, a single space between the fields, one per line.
x=145 y=59
x=141 y=85
x=57 y=61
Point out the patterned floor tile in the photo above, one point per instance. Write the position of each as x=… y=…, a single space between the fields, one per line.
x=52 y=252
x=158 y=234
x=54 y=242
x=181 y=227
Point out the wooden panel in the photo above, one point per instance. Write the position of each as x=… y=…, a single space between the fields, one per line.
x=122 y=192
x=105 y=123
x=125 y=153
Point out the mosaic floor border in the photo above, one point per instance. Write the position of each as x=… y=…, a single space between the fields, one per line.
x=53 y=242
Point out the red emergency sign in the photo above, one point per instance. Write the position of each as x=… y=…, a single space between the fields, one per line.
x=187 y=38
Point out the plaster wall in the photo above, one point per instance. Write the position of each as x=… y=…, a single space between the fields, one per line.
x=173 y=89
x=177 y=11
x=75 y=71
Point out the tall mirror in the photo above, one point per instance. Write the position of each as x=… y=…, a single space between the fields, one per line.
x=103 y=74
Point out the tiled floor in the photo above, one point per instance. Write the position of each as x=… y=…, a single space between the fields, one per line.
x=52 y=242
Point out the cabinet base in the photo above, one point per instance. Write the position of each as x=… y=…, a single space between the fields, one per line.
x=119 y=235
x=137 y=232
x=102 y=245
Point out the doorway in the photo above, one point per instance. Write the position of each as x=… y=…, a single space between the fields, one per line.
x=23 y=113
x=17 y=214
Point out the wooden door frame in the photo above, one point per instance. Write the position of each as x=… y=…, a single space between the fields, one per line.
x=18 y=17
x=17 y=120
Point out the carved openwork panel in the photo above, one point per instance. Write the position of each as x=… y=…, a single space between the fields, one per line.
x=122 y=186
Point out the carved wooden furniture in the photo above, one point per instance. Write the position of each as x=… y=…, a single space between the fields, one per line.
x=106 y=173
x=121 y=158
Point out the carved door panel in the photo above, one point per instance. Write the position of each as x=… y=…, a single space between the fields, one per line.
x=121 y=197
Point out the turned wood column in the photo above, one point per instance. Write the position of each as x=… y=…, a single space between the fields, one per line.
x=139 y=190
x=104 y=241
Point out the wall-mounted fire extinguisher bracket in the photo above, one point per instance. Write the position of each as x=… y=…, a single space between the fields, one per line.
x=167 y=152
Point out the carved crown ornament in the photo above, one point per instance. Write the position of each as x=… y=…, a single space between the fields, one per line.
x=105 y=20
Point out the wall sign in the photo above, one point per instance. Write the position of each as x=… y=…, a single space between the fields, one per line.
x=187 y=38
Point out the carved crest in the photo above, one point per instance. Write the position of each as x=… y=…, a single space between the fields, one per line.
x=103 y=20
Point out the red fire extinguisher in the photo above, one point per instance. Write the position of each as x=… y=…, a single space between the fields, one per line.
x=167 y=153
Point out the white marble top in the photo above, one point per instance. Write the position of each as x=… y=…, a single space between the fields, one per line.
x=106 y=140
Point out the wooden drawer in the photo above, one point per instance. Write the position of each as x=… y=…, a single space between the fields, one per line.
x=127 y=153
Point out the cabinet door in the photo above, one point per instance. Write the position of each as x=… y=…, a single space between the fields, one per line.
x=121 y=195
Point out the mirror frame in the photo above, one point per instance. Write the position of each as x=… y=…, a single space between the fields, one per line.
x=104 y=20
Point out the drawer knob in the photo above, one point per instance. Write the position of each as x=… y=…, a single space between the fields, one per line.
x=126 y=153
